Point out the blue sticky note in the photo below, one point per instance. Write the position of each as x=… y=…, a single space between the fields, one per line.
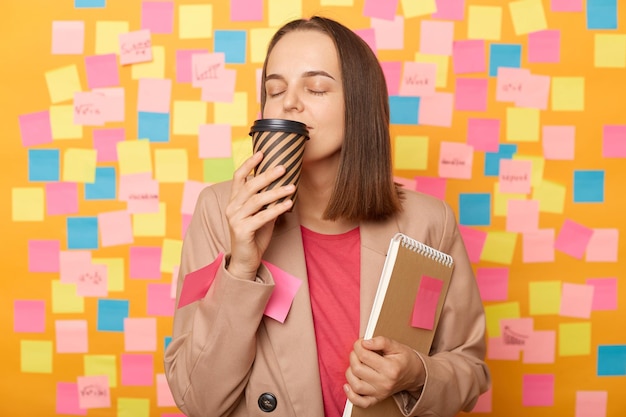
x=492 y=159
x=43 y=165
x=611 y=360
x=86 y=4
x=404 y=110
x=475 y=209
x=154 y=126
x=82 y=233
x=111 y=315
x=104 y=188
x=588 y=186
x=601 y=14
x=167 y=341
x=504 y=55
x=232 y=43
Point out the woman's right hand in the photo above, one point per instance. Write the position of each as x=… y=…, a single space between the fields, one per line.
x=251 y=227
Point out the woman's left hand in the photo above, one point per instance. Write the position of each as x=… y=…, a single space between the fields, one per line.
x=379 y=368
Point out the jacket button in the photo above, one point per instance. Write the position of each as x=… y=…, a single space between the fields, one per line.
x=267 y=402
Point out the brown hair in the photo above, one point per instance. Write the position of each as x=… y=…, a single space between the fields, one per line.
x=364 y=189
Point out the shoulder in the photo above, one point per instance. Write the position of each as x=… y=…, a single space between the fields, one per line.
x=215 y=194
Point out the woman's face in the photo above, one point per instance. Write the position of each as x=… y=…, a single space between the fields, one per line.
x=303 y=83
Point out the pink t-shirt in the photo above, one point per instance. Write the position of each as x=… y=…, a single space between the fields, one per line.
x=333 y=268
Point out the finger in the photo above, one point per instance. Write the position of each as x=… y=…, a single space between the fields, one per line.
x=242 y=173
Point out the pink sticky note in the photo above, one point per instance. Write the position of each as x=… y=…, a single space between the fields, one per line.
x=105 y=142
x=94 y=391
x=115 y=228
x=197 y=283
x=535 y=93
x=29 y=316
x=493 y=283
x=71 y=263
x=498 y=350
x=135 y=47
x=538 y=390
x=436 y=110
x=215 y=141
x=154 y=95
x=538 y=246
x=157 y=16
x=483 y=405
x=68 y=37
x=67 y=399
x=89 y=109
x=140 y=192
x=164 y=395
x=540 y=347
x=483 y=134
x=604 y=293
x=43 y=255
x=389 y=33
x=576 y=300
x=382 y=9
x=544 y=46
x=614 y=141
x=591 y=403
x=191 y=191
x=449 y=10
x=393 y=73
x=113 y=106
x=522 y=216
x=471 y=94
x=434 y=186
x=137 y=369
x=145 y=262
x=61 y=198
x=102 y=71
x=573 y=239
x=474 y=240
x=92 y=281
x=160 y=300
x=418 y=79
x=140 y=334
x=566 y=5
x=35 y=128
x=558 y=142
x=71 y=336
x=602 y=246
x=183 y=64
x=510 y=83
x=206 y=67
x=516 y=332
x=220 y=89
x=369 y=36
x=436 y=37
x=515 y=176
x=469 y=56
x=426 y=299
x=246 y=10
x=285 y=289
x=455 y=160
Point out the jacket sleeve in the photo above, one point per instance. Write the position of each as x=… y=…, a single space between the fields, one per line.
x=208 y=362
x=456 y=373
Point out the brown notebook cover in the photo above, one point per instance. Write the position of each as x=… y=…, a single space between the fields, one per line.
x=408 y=261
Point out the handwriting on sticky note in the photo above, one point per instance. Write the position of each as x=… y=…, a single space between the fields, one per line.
x=426 y=300
x=418 y=79
x=511 y=83
x=89 y=109
x=94 y=392
x=92 y=281
x=135 y=47
x=515 y=176
x=205 y=67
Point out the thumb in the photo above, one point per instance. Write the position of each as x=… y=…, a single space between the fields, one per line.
x=379 y=344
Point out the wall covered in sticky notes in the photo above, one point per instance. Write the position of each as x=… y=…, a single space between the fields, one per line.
x=117 y=114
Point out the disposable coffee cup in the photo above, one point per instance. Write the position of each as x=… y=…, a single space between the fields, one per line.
x=282 y=143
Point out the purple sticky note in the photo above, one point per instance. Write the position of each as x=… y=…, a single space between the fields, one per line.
x=435 y=186
x=157 y=16
x=471 y=94
x=145 y=262
x=483 y=134
x=102 y=71
x=544 y=46
x=35 y=128
x=285 y=289
x=137 y=370
x=61 y=198
x=393 y=72
x=105 y=142
x=474 y=242
x=160 y=301
x=573 y=239
x=67 y=399
x=493 y=283
x=614 y=141
x=197 y=283
x=604 y=293
x=43 y=255
x=29 y=316
x=426 y=299
x=183 y=64
x=469 y=56
x=538 y=390
x=449 y=10
x=382 y=9
x=246 y=10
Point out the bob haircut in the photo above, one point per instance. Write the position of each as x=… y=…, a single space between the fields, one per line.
x=364 y=189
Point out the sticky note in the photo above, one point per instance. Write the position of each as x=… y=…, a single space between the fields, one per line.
x=434 y=186
x=43 y=255
x=418 y=79
x=602 y=246
x=67 y=399
x=89 y=4
x=79 y=165
x=540 y=347
x=43 y=165
x=455 y=160
x=93 y=391
x=191 y=191
x=611 y=360
x=246 y=10
x=588 y=186
x=448 y=9
x=108 y=36
x=483 y=134
x=188 y=116
x=551 y=196
x=115 y=228
x=140 y=192
x=135 y=47
x=150 y=224
x=538 y=390
x=170 y=165
x=154 y=95
x=558 y=142
x=113 y=103
x=574 y=339
x=161 y=303
x=170 y=254
x=393 y=74
x=62 y=123
x=436 y=109
x=536 y=92
x=469 y=56
x=197 y=283
x=573 y=238
x=157 y=16
x=380 y=9
x=474 y=242
x=164 y=394
x=27 y=204
x=522 y=216
x=145 y=262
x=207 y=67
x=220 y=89
x=498 y=350
x=155 y=127
x=184 y=59
x=259 y=39
x=604 y=293
x=614 y=141
x=568 y=93
x=601 y=14
x=515 y=176
x=411 y=152
x=442 y=62
x=62 y=83
x=566 y=5
x=105 y=142
x=475 y=209
x=389 y=33
x=71 y=336
x=426 y=300
x=35 y=128
x=96 y=365
x=214 y=141
x=29 y=316
x=522 y=124
x=105 y=185
x=499 y=247
x=195 y=21
x=576 y=300
x=111 y=314
x=504 y=55
x=501 y=200
x=217 y=169
x=418 y=8
x=232 y=113
x=65 y=299
x=485 y=400
x=102 y=71
x=404 y=110
x=140 y=334
x=89 y=109
x=528 y=16
x=493 y=283
x=36 y=356
x=510 y=83
x=92 y=281
x=82 y=232
x=151 y=69
x=285 y=289
x=471 y=94
x=591 y=403
x=544 y=297
x=494 y=313
x=68 y=37
x=72 y=264
x=134 y=157
x=115 y=272
x=609 y=50
x=232 y=43
x=544 y=46
x=484 y=22
x=281 y=11
x=436 y=37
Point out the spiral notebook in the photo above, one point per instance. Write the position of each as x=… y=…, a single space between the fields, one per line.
x=408 y=303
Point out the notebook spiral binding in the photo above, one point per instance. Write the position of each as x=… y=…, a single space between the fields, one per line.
x=425 y=250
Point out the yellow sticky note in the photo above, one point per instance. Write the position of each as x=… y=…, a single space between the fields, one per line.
x=484 y=22
x=150 y=224
x=551 y=197
x=499 y=247
x=242 y=150
x=283 y=11
x=609 y=50
x=79 y=165
x=133 y=407
x=411 y=152
x=170 y=165
x=108 y=36
x=336 y=2
x=95 y=365
x=115 y=272
x=259 y=39
x=62 y=123
x=152 y=69
x=36 y=356
x=496 y=312
x=28 y=204
x=235 y=113
x=133 y=157
x=195 y=21
x=568 y=93
x=63 y=83
x=544 y=297
x=574 y=339
x=217 y=170
x=538 y=164
x=522 y=124
x=442 y=63
x=65 y=298
x=170 y=254
x=501 y=200
x=412 y=8
x=188 y=116
x=528 y=16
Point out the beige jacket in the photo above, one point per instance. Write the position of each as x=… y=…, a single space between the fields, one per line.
x=225 y=354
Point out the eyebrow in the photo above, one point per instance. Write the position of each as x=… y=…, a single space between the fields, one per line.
x=307 y=74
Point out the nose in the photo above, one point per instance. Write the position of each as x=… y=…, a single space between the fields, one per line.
x=292 y=101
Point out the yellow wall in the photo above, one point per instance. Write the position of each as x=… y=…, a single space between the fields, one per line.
x=552 y=295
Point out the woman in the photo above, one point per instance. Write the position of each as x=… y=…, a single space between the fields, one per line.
x=226 y=358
